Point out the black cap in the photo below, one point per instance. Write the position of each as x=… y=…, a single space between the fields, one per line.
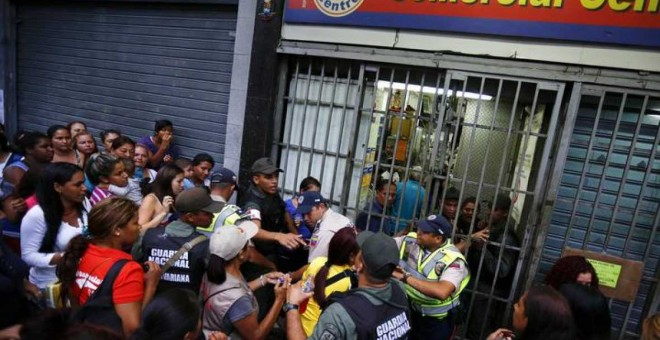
x=379 y=253
x=196 y=199
x=264 y=166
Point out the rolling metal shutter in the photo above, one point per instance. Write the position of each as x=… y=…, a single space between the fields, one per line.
x=123 y=66
x=608 y=199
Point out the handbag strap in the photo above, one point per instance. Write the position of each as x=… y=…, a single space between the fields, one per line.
x=184 y=248
x=105 y=289
x=337 y=277
x=212 y=295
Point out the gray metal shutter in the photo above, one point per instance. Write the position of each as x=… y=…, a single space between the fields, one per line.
x=608 y=199
x=124 y=66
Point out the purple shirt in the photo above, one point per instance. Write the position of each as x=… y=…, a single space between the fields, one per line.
x=99 y=195
x=146 y=141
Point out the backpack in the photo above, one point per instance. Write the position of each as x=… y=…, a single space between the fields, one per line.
x=99 y=310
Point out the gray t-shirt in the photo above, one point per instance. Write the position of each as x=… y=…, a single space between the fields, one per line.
x=233 y=304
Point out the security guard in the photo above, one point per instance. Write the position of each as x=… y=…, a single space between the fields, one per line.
x=435 y=273
x=223 y=184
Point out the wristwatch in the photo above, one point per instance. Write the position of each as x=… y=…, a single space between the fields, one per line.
x=289 y=306
x=405 y=277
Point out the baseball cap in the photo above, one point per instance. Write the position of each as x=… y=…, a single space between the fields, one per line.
x=379 y=253
x=227 y=241
x=264 y=166
x=307 y=200
x=435 y=224
x=196 y=199
x=224 y=175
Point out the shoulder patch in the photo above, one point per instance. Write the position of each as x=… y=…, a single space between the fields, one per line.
x=330 y=333
x=439 y=267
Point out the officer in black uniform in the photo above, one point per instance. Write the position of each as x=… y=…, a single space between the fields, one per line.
x=195 y=207
x=268 y=211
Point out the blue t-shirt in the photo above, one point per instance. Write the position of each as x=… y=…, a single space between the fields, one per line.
x=408 y=203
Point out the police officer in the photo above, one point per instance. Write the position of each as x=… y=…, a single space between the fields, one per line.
x=195 y=207
x=223 y=184
x=377 y=309
x=435 y=273
x=267 y=209
x=317 y=210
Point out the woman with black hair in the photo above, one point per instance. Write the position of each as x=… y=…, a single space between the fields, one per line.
x=171 y=315
x=123 y=147
x=37 y=150
x=63 y=148
x=48 y=227
x=160 y=144
x=331 y=274
x=228 y=302
x=76 y=127
x=107 y=138
x=20 y=178
x=590 y=311
x=542 y=313
x=159 y=197
x=90 y=259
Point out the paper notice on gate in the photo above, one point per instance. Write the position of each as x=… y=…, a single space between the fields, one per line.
x=608 y=273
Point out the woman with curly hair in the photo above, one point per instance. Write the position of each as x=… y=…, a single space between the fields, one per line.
x=90 y=257
x=570 y=269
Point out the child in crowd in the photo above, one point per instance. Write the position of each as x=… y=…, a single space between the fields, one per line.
x=104 y=170
x=133 y=190
x=186 y=165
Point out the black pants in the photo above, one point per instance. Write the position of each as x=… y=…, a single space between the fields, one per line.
x=426 y=327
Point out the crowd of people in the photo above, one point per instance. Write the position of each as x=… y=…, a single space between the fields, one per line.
x=129 y=240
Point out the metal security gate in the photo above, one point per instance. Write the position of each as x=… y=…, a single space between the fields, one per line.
x=350 y=123
x=123 y=66
x=607 y=198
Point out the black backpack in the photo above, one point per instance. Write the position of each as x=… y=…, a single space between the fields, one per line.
x=99 y=310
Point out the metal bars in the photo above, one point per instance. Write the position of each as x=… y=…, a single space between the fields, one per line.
x=483 y=135
x=608 y=195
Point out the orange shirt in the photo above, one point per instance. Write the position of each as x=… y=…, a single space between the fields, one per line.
x=94 y=266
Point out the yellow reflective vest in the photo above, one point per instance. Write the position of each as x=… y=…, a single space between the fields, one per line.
x=430 y=269
x=229 y=215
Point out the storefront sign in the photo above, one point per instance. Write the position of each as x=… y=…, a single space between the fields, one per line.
x=627 y=22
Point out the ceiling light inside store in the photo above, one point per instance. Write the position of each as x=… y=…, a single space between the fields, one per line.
x=430 y=90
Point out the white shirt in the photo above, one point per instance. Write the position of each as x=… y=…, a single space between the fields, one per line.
x=33 y=229
x=325 y=229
